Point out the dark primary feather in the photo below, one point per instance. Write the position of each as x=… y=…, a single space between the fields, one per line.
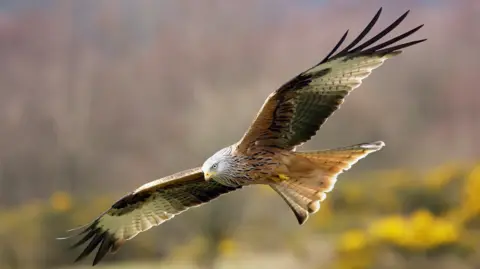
x=340 y=42
x=380 y=35
x=351 y=50
x=180 y=193
x=355 y=41
x=295 y=112
x=363 y=33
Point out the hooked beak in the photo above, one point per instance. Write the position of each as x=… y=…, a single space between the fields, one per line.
x=208 y=175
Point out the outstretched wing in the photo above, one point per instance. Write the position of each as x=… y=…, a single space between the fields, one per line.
x=148 y=206
x=293 y=114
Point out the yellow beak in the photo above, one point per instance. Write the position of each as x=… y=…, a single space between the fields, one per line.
x=208 y=175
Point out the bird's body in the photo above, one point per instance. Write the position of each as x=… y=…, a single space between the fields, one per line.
x=266 y=154
x=262 y=166
x=301 y=178
x=258 y=167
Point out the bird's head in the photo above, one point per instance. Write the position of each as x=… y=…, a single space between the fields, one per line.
x=216 y=166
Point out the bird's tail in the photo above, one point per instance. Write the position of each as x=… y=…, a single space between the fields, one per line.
x=315 y=173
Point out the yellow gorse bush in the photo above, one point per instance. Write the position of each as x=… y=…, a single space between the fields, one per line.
x=390 y=229
x=440 y=176
x=353 y=240
x=419 y=231
x=361 y=217
x=61 y=201
x=471 y=194
x=227 y=247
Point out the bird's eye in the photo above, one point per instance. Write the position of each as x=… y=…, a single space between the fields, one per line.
x=214 y=166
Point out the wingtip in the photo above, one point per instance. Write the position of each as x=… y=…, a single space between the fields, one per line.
x=81 y=257
x=404 y=15
x=301 y=217
x=344 y=36
x=379 y=144
x=78 y=259
x=417 y=28
x=98 y=258
x=377 y=15
x=73 y=230
x=421 y=40
x=374 y=146
x=63 y=238
x=302 y=221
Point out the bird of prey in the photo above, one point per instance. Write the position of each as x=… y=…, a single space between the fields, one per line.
x=266 y=154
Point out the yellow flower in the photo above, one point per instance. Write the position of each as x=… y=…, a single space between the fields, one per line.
x=61 y=201
x=444 y=232
x=442 y=175
x=421 y=221
x=390 y=229
x=353 y=240
x=227 y=247
x=471 y=201
x=421 y=230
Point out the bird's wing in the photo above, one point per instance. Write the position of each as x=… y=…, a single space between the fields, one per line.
x=293 y=113
x=148 y=206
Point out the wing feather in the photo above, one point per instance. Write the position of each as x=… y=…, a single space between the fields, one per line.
x=293 y=114
x=148 y=206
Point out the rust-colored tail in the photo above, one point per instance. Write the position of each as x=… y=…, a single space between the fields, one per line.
x=304 y=189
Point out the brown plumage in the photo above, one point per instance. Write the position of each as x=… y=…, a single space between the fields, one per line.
x=266 y=153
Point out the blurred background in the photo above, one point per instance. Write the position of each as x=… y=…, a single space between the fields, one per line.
x=99 y=97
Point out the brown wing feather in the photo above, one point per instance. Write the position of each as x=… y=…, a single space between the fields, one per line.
x=148 y=206
x=293 y=114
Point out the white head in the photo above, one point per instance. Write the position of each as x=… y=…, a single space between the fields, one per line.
x=217 y=165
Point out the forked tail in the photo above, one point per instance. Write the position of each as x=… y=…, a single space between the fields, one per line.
x=304 y=190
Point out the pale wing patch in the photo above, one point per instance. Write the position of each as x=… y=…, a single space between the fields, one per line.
x=345 y=74
x=152 y=213
x=186 y=173
x=127 y=226
x=149 y=206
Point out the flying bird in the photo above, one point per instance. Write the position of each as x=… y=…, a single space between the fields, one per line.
x=266 y=154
